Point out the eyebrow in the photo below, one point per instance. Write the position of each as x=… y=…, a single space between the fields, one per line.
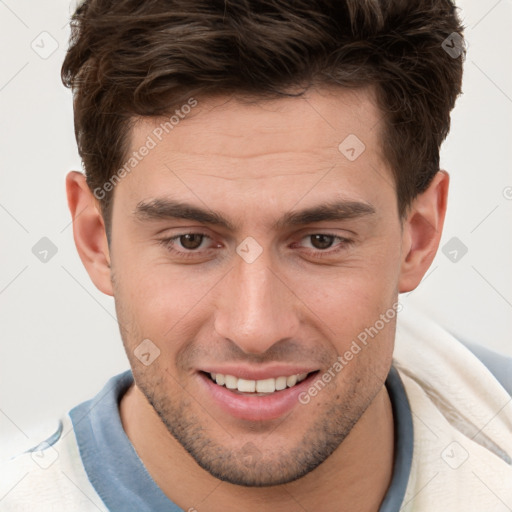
x=167 y=209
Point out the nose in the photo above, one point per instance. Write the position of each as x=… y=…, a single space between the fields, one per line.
x=257 y=308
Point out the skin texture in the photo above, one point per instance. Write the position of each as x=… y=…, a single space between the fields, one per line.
x=252 y=163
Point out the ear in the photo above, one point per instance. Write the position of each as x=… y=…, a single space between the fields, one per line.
x=422 y=231
x=89 y=231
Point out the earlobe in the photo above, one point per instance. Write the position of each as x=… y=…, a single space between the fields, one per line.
x=89 y=231
x=422 y=232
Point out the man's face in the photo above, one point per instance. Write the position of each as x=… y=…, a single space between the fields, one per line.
x=260 y=297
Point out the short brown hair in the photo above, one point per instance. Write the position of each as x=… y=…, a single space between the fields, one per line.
x=129 y=58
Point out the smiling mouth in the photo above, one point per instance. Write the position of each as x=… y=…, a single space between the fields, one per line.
x=262 y=387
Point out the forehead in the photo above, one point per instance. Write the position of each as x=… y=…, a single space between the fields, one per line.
x=273 y=150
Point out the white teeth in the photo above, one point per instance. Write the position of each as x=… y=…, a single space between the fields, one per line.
x=266 y=386
x=280 y=383
x=257 y=386
x=247 y=386
x=291 y=380
x=231 y=382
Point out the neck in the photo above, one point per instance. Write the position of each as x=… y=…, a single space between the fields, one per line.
x=355 y=477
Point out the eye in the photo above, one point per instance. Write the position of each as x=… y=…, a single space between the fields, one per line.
x=321 y=242
x=190 y=243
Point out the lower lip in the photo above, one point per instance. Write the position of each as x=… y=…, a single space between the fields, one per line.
x=256 y=408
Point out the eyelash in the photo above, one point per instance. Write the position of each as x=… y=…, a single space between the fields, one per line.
x=319 y=254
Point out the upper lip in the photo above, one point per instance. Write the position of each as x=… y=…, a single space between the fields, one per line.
x=252 y=373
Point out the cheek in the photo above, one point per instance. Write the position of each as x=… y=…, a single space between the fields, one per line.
x=358 y=313
x=354 y=294
x=160 y=301
x=358 y=307
x=362 y=326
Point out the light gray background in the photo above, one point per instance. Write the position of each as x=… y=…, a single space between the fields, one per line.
x=59 y=338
